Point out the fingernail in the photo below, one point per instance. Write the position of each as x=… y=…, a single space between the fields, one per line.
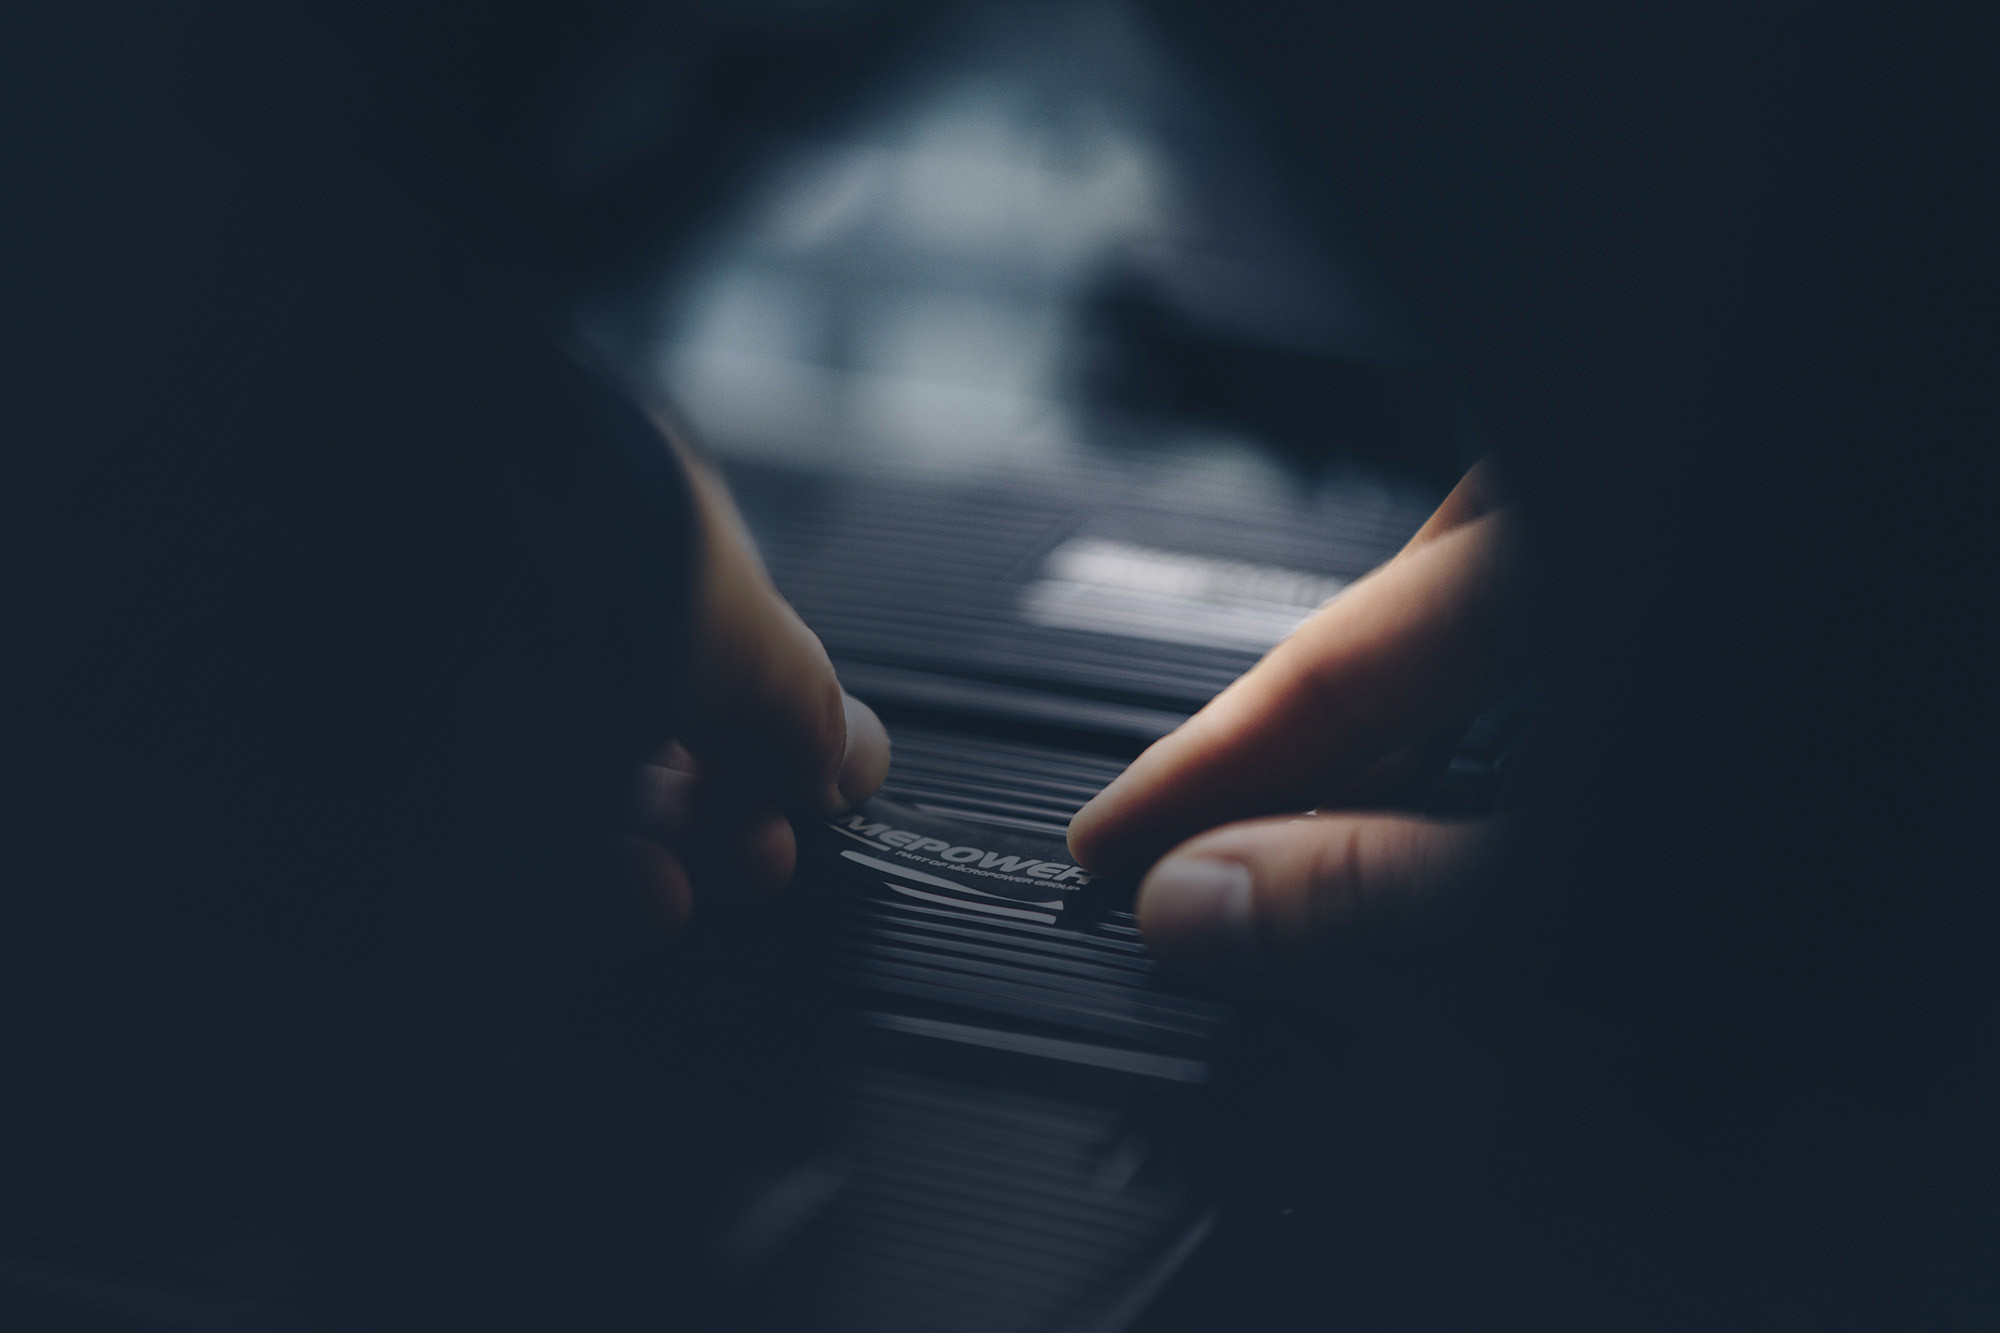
x=865 y=762
x=664 y=798
x=1198 y=911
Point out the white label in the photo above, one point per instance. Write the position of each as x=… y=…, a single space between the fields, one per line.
x=1136 y=591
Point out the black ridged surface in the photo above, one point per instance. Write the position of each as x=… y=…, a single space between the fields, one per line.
x=929 y=577
x=1008 y=1106
x=1006 y=1128
x=970 y=1208
x=1014 y=783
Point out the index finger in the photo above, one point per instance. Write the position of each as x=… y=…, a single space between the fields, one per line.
x=1420 y=642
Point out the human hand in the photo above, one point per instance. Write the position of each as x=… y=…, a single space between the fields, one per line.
x=1341 y=715
x=769 y=733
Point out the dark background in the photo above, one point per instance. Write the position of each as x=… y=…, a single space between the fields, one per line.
x=1713 y=282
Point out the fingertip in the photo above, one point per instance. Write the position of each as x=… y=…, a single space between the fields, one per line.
x=1132 y=822
x=1097 y=830
x=1082 y=833
x=765 y=855
x=663 y=798
x=1277 y=896
x=1108 y=834
x=1198 y=915
x=654 y=898
x=742 y=858
x=864 y=760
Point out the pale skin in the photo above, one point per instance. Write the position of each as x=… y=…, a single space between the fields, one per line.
x=1249 y=822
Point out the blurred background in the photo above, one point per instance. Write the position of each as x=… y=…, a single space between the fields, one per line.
x=1054 y=375
x=975 y=238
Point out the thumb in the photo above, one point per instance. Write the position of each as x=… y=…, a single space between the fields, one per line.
x=1269 y=898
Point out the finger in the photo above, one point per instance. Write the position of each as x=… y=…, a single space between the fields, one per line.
x=1476 y=495
x=643 y=899
x=770 y=719
x=1278 y=895
x=663 y=801
x=741 y=859
x=745 y=854
x=1420 y=642
x=1400 y=777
